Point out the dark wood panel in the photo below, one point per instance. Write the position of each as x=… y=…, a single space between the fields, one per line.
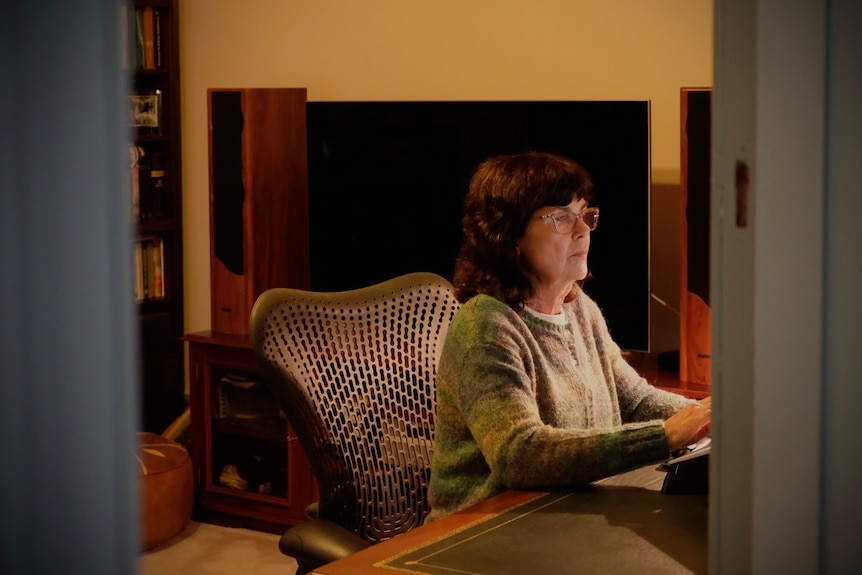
x=258 y=199
x=695 y=361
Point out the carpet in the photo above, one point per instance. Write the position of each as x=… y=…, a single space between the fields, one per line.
x=204 y=549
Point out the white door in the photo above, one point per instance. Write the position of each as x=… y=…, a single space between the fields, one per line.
x=787 y=349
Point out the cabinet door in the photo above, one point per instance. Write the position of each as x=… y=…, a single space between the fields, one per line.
x=250 y=471
x=248 y=434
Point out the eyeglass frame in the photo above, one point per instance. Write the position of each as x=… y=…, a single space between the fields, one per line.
x=554 y=217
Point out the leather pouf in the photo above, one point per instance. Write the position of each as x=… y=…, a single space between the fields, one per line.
x=167 y=488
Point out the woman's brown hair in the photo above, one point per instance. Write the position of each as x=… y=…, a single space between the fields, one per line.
x=504 y=193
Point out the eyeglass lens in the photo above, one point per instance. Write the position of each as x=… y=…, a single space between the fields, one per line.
x=591 y=218
x=566 y=224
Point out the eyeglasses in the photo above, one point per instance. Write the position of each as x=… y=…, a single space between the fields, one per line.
x=565 y=221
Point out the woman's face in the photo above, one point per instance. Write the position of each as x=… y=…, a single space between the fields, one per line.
x=554 y=260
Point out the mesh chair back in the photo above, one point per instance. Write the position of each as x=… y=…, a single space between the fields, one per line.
x=355 y=373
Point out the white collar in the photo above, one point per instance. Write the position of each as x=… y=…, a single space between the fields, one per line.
x=558 y=318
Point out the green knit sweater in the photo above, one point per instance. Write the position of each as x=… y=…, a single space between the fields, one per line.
x=526 y=403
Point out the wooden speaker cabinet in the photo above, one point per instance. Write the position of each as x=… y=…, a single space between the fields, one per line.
x=695 y=314
x=258 y=199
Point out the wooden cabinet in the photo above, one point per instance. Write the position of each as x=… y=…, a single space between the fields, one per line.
x=695 y=354
x=155 y=187
x=249 y=469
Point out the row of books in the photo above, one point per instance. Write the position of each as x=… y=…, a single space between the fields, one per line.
x=144 y=30
x=149 y=269
x=147 y=183
x=241 y=396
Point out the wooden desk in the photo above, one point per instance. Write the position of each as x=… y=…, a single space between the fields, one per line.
x=619 y=525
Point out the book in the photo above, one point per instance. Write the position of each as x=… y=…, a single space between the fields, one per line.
x=139 y=38
x=149 y=38
x=145 y=269
x=135 y=154
x=157 y=27
x=158 y=190
x=139 y=278
x=157 y=256
x=145 y=188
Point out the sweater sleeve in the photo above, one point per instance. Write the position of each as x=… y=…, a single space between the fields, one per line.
x=638 y=399
x=524 y=452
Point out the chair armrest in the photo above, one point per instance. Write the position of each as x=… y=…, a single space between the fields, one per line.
x=317 y=542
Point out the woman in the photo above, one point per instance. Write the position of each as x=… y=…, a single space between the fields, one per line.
x=532 y=392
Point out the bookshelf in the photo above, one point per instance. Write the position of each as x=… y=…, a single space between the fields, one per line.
x=155 y=186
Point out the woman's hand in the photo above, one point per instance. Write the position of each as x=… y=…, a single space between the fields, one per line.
x=688 y=424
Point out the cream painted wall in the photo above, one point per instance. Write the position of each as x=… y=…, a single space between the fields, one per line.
x=447 y=50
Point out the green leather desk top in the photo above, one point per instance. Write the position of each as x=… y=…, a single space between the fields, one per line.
x=620 y=525
x=605 y=528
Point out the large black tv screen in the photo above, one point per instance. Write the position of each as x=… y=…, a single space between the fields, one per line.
x=386 y=182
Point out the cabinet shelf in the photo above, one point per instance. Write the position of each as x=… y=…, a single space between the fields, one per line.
x=151 y=138
x=264 y=430
x=144 y=72
x=155 y=226
x=154 y=305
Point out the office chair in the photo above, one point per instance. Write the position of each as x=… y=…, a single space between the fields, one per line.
x=354 y=372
